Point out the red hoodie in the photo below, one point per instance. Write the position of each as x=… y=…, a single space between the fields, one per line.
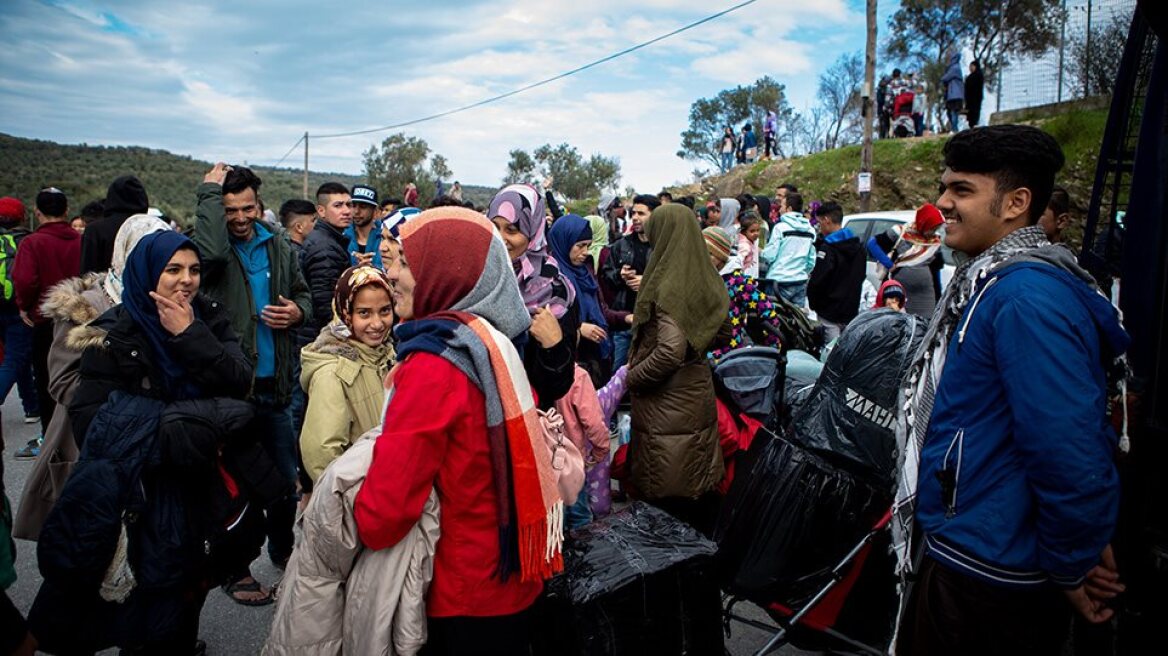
x=46 y=257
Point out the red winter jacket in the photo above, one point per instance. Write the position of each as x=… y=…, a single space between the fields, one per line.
x=435 y=435
x=46 y=257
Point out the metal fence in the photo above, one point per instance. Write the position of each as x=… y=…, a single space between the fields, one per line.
x=1085 y=34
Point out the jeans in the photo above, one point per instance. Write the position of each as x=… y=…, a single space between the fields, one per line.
x=578 y=514
x=297 y=407
x=621 y=340
x=792 y=292
x=273 y=423
x=727 y=161
x=953 y=110
x=16 y=368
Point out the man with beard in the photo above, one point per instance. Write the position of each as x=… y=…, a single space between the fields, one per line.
x=253 y=272
x=1008 y=466
x=364 y=233
x=626 y=263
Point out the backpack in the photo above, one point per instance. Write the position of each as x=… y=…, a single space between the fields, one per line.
x=7 y=264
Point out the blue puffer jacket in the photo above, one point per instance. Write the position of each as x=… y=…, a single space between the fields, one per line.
x=1017 y=483
x=953 y=80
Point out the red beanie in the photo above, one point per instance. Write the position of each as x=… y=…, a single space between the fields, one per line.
x=11 y=210
x=928 y=218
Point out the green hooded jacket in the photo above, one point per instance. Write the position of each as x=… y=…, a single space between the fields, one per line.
x=225 y=279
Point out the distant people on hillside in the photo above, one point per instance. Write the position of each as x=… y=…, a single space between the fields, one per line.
x=883 y=108
x=726 y=149
x=974 y=91
x=954 y=90
x=770 y=131
x=920 y=104
x=748 y=145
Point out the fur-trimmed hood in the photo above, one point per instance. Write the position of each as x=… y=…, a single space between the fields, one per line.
x=73 y=299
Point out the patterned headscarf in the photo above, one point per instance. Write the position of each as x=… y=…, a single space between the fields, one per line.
x=353 y=280
x=132 y=231
x=540 y=281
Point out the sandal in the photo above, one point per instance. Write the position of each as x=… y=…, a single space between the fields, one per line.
x=232 y=589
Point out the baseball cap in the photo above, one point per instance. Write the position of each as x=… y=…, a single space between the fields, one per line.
x=364 y=194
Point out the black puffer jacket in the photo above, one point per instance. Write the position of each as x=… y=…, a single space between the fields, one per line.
x=151 y=463
x=325 y=258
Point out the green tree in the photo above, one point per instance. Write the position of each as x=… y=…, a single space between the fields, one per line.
x=399 y=160
x=708 y=117
x=521 y=168
x=1094 y=62
x=575 y=176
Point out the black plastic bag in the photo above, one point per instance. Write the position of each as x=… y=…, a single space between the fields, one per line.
x=849 y=415
x=636 y=582
x=790 y=516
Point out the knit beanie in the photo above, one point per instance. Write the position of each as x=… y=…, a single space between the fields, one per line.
x=717 y=242
x=11 y=211
x=928 y=218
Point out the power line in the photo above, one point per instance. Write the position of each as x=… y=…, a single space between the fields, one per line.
x=281 y=160
x=541 y=83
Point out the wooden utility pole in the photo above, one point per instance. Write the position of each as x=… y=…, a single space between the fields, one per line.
x=866 y=109
x=306 y=165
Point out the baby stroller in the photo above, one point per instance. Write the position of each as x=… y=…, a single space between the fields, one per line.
x=751 y=380
x=802 y=531
x=902 y=119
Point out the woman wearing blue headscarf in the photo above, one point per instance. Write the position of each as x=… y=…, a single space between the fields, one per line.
x=570 y=239
x=159 y=497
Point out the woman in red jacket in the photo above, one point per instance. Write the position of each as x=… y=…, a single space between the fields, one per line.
x=461 y=420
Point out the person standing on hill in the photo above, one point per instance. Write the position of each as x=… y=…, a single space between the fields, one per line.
x=770 y=131
x=46 y=257
x=125 y=197
x=954 y=90
x=833 y=290
x=726 y=149
x=974 y=91
x=749 y=144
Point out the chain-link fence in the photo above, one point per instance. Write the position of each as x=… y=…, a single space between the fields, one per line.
x=1082 y=63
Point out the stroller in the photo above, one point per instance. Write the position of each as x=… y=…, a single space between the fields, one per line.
x=902 y=118
x=802 y=533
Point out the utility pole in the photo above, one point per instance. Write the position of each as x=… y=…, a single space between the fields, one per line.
x=1062 y=50
x=866 y=113
x=305 y=165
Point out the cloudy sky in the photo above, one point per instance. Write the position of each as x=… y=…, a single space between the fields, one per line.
x=241 y=81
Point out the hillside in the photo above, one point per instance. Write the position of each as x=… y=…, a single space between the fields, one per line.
x=83 y=172
x=906 y=172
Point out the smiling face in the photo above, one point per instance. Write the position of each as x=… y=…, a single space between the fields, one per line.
x=371 y=316
x=976 y=214
x=180 y=277
x=403 y=287
x=241 y=210
x=516 y=241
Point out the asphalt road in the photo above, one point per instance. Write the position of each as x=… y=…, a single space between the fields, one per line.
x=228 y=628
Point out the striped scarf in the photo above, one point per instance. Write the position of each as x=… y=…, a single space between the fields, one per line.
x=527 y=503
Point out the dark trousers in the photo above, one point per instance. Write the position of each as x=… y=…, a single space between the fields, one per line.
x=273 y=425
x=505 y=635
x=954 y=614
x=42 y=340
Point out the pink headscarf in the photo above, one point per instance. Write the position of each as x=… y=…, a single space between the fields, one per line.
x=540 y=280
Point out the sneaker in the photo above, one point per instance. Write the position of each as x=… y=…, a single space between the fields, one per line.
x=30 y=450
x=32 y=417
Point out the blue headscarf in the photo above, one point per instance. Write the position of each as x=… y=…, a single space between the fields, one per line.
x=144 y=267
x=565 y=232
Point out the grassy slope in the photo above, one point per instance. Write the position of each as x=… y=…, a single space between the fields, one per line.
x=84 y=172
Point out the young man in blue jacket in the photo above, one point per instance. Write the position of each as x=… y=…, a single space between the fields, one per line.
x=1006 y=440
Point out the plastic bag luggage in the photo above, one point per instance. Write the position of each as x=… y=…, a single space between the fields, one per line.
x=636 y=582
x=789 y=517
x=848 y=416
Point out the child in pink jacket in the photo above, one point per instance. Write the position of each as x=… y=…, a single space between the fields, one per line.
x=585 y=425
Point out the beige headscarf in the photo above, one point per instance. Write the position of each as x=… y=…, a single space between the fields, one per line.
x=132 y=231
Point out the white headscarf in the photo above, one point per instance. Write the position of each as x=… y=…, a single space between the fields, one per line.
x=132 y=231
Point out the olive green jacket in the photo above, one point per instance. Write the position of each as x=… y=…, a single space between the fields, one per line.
x=225 y=279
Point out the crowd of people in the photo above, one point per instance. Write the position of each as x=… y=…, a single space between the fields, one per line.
x=903 y=100
x=435 y=391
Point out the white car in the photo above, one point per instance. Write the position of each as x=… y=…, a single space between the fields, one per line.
x=870 y=224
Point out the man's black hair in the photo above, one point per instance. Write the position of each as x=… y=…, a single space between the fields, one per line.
x=789 y=187
x=1015 y=156
x=745 y=202
x=295 y=207
x=240 y=178
x=896 y=72
x=831 y=209
x=396 y=202
x=1060 y=201
x=665 y=194
x=794 y=201
x=688 y=201
x=328 y=189
x=648 y=200
x=445 y=200
x=52 y=203
x=94 y=209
